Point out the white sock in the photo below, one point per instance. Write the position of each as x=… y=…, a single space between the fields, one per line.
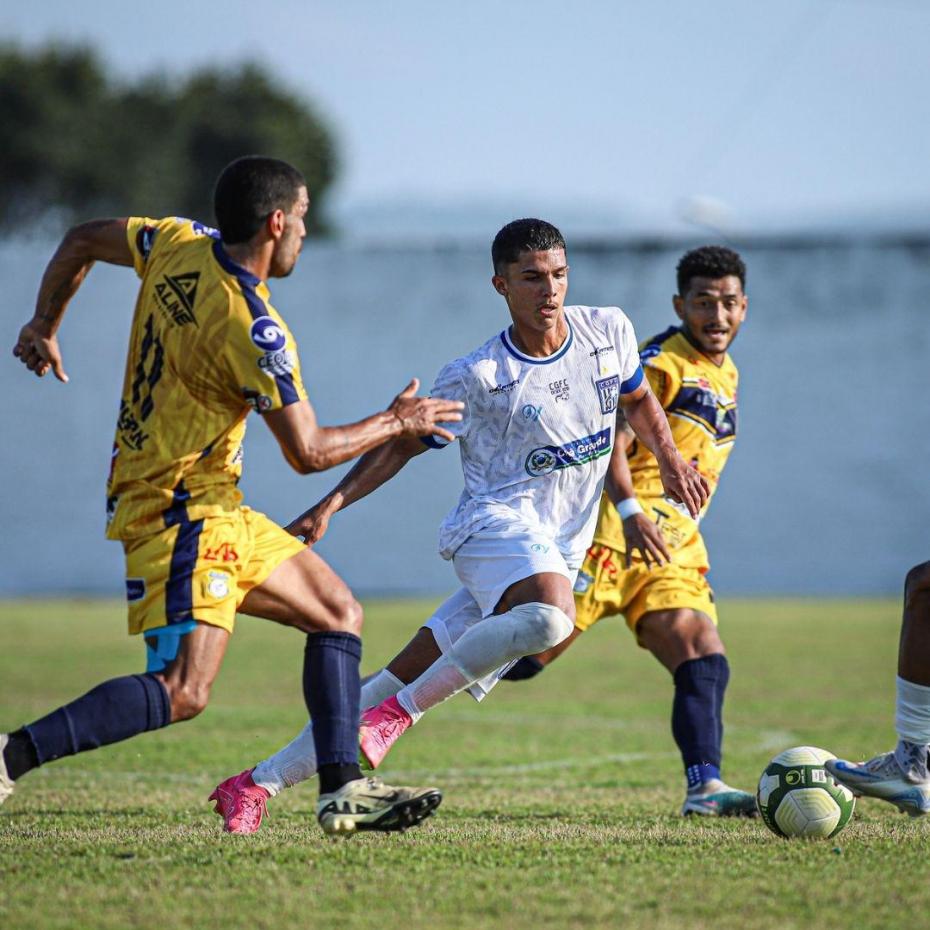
x=296 y=762
x=912 y=712
x=524 y=630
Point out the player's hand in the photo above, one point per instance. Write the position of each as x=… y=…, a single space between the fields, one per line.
x=643 y=535
x=39 y=351
x=311 y=524
x=421 y=416
x=684 y=484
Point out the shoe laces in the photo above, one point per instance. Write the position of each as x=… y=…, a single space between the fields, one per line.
x=251 y=808
x=911 y=759
x=885 y=766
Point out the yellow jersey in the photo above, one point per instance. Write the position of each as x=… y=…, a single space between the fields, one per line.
x=206 y=347
x=699 y=399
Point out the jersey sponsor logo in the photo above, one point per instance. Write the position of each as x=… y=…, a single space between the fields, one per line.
x=531 y=413
x=129 y=428
x=559 y=389
x=547 y=459
x=608 y=393
x=278 y=363
x=135 y=589
x=600 y=350
x=504 y=388
x=176 y=294
x=267 y=334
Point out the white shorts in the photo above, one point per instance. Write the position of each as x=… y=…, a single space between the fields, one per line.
x=488 y=564
x=490 y=561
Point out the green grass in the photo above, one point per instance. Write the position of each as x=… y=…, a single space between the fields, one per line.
x=561 y=794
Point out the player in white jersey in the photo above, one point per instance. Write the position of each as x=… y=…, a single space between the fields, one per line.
x=541 y=402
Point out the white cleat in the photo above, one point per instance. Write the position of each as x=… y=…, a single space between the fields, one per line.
x=6 y=783
x=882 y=777
x=715 y=798
x=369 y=804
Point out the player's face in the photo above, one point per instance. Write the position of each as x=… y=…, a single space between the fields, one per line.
x=287 y=247
x=712 y=311
x=534 y=287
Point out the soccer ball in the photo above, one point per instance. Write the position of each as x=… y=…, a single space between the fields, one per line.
x=797 y=796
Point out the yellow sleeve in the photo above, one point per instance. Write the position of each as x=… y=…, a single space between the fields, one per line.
x=261 y=355
x=143 y=234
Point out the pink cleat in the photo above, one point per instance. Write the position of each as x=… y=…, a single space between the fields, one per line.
x=380 y=728
x=241 y=803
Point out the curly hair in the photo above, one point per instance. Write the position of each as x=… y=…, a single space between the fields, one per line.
x=709 y=261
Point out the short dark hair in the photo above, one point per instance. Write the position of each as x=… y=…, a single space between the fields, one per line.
x=709 y=261
x=527 y=235
x=248 y=190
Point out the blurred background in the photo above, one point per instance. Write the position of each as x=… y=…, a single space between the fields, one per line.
x=797 y=133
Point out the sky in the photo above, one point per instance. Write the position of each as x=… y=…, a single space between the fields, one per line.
x=613 y=115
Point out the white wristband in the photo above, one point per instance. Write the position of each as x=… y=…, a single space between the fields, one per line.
x=628 y=507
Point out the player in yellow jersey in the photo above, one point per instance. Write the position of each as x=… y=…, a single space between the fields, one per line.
x=207 y=347
x=648 y=561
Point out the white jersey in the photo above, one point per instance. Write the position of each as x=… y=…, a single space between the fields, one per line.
x=536 y=433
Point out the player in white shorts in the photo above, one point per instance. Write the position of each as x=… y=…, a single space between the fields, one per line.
x=541 y=401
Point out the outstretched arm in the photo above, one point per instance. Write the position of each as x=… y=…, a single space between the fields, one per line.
x=371 y=471
x=682 y=483
x=98 y=240
x=310 y=447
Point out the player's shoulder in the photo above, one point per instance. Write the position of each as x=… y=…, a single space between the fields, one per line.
x=148 y=234
x=602 y=317
x=670 y=343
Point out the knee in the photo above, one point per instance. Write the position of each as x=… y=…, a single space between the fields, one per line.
x=188 y=699
x=343 y=616
x=543 y=625
x=916 y=583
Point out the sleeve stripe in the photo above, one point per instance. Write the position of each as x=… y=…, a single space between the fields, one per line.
x=633 y=382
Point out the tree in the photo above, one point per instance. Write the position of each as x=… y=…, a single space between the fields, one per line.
x=77 y=143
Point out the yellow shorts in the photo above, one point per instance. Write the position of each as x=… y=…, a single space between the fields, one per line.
x=201 y=570
x=605 y=588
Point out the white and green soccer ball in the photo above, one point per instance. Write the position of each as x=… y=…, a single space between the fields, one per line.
x=797 y=796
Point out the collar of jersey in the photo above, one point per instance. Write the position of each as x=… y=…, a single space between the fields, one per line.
x=228 y=265
x=516 y=353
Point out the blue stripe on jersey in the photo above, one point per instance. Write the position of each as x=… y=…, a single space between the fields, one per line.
x=633 y=382
x=178 y=594
x=516 y=353
x=248 y=282
x=700 y=406
x=433 y=442
x=653 y=346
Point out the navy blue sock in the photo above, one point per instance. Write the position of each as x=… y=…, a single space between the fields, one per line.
x=527 y=667
x=332 y=690
x=697 y=718
x=111 y=712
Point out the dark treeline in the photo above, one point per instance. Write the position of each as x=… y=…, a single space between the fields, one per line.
x=78 y=143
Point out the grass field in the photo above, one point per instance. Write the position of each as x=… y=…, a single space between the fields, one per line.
x=561 y=794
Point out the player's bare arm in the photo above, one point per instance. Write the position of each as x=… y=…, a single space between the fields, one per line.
x=98 y=240
x=641 y=534
x=309 y=447
x=371 y=471
x=681 y=482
